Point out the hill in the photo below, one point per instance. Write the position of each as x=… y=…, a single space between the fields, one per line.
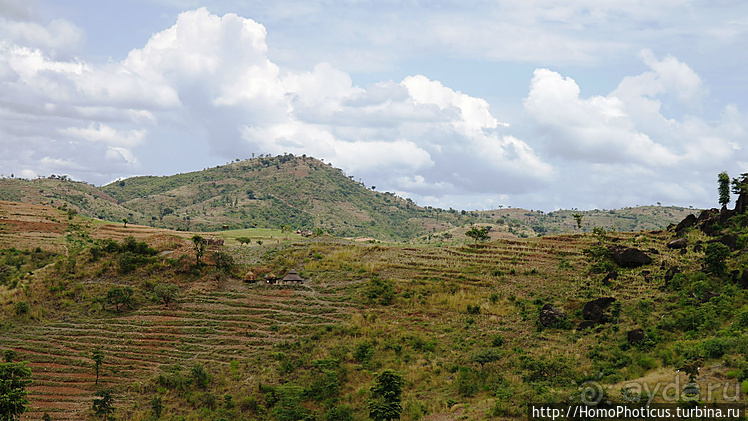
x=302 y=193
x=468 y=326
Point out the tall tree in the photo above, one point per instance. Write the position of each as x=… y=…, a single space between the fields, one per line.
x=14 y=377
x=724 y=188
x=386 y=395
x=199 y=245
x=97 y=355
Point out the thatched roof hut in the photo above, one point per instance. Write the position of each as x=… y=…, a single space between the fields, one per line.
x=292 y=277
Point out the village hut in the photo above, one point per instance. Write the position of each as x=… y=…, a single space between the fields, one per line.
x=292 y=278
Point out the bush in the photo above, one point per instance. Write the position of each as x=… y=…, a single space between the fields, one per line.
x=340 y=413
x=22 y=307
x=473 y=309
x=467 y=382
x=714 y=258
x=380 y=291
x=224 y=262
x=199 y=376
x=363 y=353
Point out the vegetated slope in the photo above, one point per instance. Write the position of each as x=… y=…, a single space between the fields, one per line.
x=75 y=196
x=459 y=323
x=300 y=192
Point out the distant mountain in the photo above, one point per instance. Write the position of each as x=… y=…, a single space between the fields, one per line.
x=301 y=193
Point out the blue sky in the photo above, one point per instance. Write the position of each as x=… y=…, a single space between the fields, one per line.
x=537 y=103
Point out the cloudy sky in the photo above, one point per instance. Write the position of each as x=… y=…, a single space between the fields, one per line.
x=467 y=104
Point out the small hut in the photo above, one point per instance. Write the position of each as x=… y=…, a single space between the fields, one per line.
x=292 y=278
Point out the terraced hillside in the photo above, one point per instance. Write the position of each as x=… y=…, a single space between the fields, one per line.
x=459 y=323
x=211 y=328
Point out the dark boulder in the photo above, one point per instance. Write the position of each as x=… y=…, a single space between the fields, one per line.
x=550 y=315
x=730 y=240
x=629 y=257
x=707 y=214
x=635 y=336
x=594 y=310
x=687 y=222
x=585 y=324
x=678 y=243
x=710 y=227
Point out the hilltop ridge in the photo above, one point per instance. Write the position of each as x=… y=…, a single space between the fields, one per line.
x=300 y=192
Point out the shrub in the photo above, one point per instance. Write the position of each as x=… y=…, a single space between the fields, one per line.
x=22 y=307
x=473 y=309
x=340 y=413
x=363 y=353
x=714 y=258
x=467 y=382
x=380 y=291
x=224 y=262
x=486 y=356
x=199 y=376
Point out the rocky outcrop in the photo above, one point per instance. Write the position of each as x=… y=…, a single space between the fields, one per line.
x=730 y=240
x=551 y=316
x=678 y=243
x=687 y=222
x=594 y=310
x=629 y=257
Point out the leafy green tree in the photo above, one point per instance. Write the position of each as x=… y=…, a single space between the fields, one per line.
x=120 y=297
x=97 y=355
x=125 y=221
x=14 y=378
x=103 y=406
x=166 y=293
x=244 y=240
x=199 y=245
x=386 y=395
x=724 y=188
x=478 y=234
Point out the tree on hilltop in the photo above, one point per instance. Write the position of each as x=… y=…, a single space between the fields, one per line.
x=724 y=188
